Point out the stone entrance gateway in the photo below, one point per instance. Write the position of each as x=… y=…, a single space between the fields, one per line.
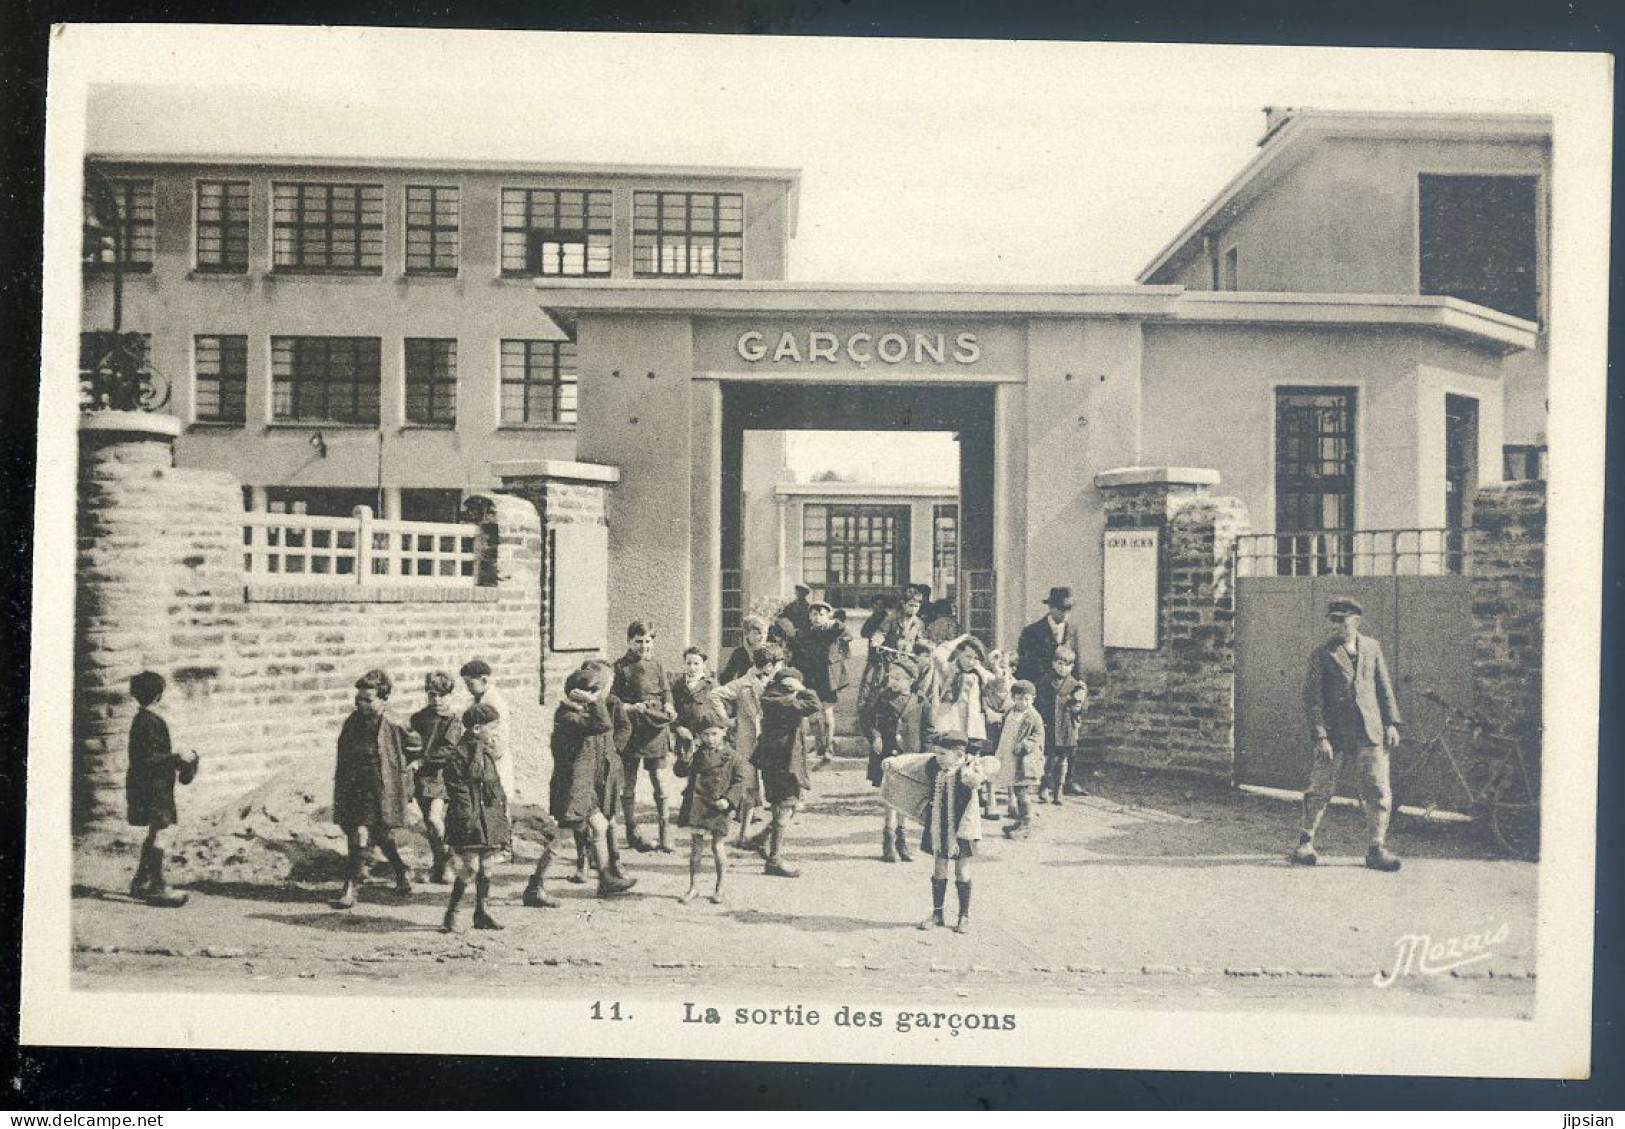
x=1047 y=388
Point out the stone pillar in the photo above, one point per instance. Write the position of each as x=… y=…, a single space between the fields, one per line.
x=119 y=626
x=564 y=494
x=1174 y=707
x=1507 y=548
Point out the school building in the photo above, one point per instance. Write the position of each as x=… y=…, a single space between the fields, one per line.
x=1350 y=337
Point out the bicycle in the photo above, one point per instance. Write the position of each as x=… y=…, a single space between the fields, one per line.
x=1506 y=806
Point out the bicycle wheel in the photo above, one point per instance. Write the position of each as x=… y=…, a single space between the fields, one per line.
x=1513 y=810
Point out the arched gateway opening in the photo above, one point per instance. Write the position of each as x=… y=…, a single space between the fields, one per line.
x=966 y=411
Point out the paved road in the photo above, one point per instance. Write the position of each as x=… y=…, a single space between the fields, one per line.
x=1153 y=892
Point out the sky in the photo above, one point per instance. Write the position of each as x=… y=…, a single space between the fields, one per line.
x=923 y=161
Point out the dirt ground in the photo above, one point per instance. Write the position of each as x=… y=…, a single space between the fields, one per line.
x=1154 y=891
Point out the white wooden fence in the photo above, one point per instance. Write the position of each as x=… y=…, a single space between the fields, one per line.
x=361 y=550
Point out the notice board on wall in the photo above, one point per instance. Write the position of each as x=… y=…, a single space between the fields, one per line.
x=578 y=587
x=1129 y=575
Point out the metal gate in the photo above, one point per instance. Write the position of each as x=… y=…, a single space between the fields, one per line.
x=1417 y=604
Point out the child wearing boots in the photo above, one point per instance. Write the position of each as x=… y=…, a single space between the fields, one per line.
x=149 y=788
x=371 y=784
x=953 y=821
x=897 y=724
x=438 y=728
x=781 y=755
x=1021 y=755
x=583 y=739
x=477 y=825
x=716 y=786
x=1062 y=698
x=744 y=694
x=641 y=685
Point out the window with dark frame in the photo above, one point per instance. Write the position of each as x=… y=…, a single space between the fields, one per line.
x=854 y=551
x=1314 y=479
x=431 y=381
x=556 y=231
x=945 y=549
x=320 y=501
x=538 y=382
x=325 y=379
x=327 y=228
x=1522 y=462
x=431 y=504
x=433 y=229
x=136 y=209
x=220 y=378
x=222 y=226
x=688 y=234
x=1478 y=240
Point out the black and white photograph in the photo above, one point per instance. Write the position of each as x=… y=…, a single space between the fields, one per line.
x=1051 y=554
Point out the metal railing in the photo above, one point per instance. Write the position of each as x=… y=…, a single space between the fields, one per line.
x=361 y=550
x=1357 y=552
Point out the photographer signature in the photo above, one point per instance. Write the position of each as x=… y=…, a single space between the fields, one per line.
x=1419 y=954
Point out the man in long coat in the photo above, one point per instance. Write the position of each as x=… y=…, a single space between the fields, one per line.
x=372 y=784
x=1035 y=649
x=1353 y=717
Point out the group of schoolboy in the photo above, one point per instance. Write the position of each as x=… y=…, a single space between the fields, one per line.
x=742 y=741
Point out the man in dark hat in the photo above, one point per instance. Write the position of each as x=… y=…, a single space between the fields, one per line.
x=1353 y=717
x=793 y=618
x=1036 y=647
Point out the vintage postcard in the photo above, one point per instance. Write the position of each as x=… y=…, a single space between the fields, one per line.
x=819 y=549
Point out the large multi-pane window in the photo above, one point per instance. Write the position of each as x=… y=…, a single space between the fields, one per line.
x=220 y=378
x=556 y=231
x=688 y=234
x=1478 y=240
x=327 y=228
x=119 y=224
x=222 y=226
x=433 y=235
x=854 y=551
x=538 y=382
x=945 y=549
x=431 y=381
x=1314 y=476
x=97 y=359
x=325 y=379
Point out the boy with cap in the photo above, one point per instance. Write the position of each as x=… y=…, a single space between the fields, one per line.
x=814 y=652
x=371 y=784
x=1353 y=716
x=744 y=694
x=149 y=788
x=897 y=731
x=953 y=821
x=781 y=755
x=583 y=739
x=477 y=824
x=438 y=728
x=716 y=788
x=643 y=688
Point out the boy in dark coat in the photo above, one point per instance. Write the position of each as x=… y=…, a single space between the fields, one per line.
x=641 y=684
x=583 y=739
x=781 y=755
x=477 y=824
x=815 y=651
x=898 y=724
x=438 y=729
x=953 y=821
x=371 y=784
x=691 y=698
x=716 y=788
x=149 y=788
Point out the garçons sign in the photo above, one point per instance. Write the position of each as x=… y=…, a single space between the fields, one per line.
x=860 y=348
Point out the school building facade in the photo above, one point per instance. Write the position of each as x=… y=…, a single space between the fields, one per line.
x=400 y=336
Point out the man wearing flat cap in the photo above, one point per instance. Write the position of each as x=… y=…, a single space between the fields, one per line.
x=1353 y=718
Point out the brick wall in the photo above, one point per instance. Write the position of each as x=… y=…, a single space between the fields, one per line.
x=261 y=685
x=1174 y=707
x=1507 y=546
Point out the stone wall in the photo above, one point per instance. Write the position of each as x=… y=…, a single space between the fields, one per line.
x=1174 y=707
x=260 y=686
x=1507 y=548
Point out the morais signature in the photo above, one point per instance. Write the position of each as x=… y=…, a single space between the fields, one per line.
x=1417 y=953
